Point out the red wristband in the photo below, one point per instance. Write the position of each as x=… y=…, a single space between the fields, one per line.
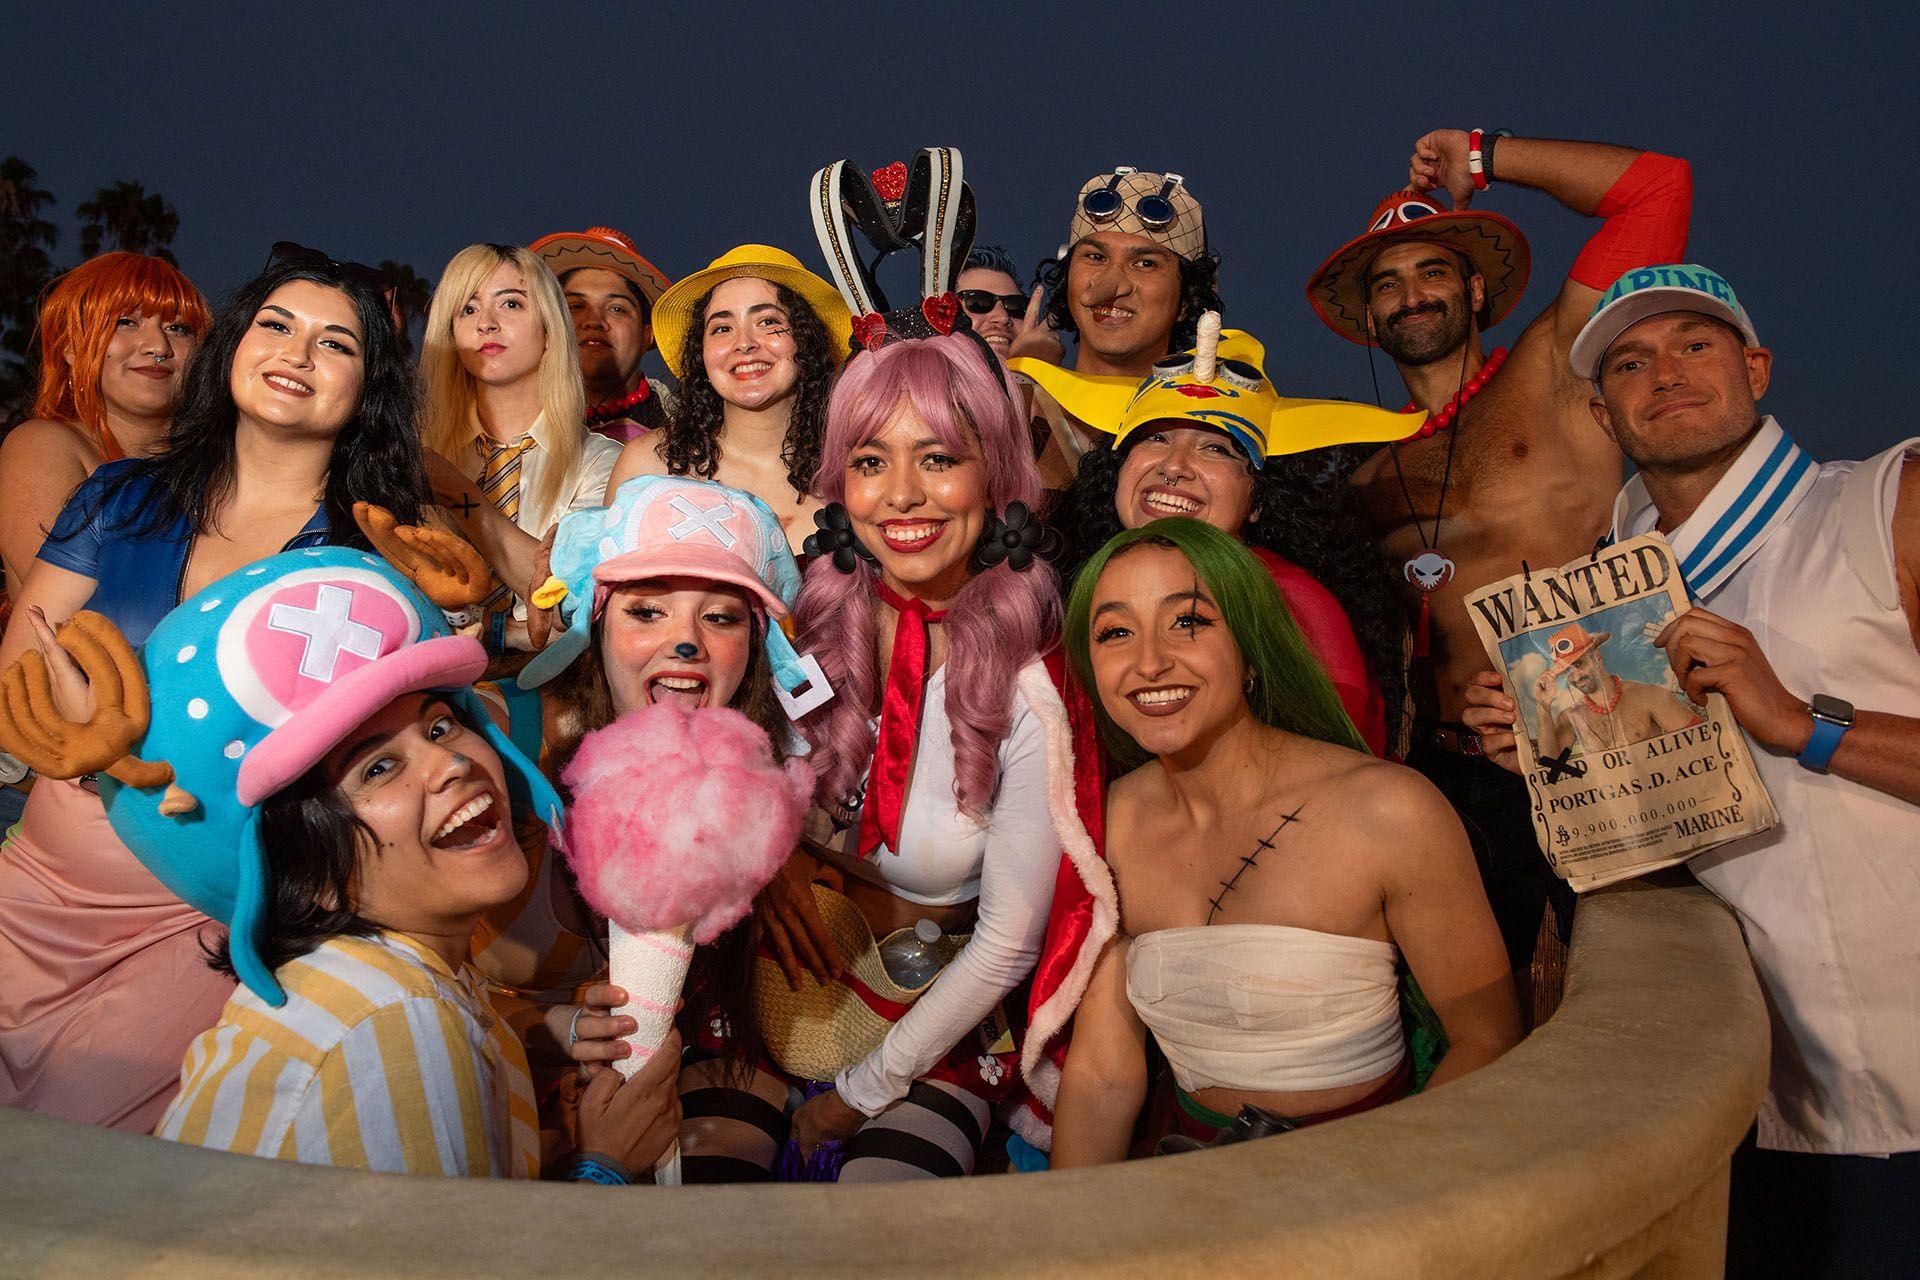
x=1476 y=163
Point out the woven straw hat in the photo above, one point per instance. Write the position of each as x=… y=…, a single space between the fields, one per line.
x=823 y=1028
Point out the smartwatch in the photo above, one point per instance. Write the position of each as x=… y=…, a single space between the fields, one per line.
x=1832 y=717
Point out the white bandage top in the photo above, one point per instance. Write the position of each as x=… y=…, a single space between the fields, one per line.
x=1265 y=1007
x=945 y=857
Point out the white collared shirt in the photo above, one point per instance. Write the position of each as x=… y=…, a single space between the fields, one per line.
x=587 y=487
x=1802 y=556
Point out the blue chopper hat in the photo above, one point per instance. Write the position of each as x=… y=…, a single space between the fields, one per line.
x=252 y=682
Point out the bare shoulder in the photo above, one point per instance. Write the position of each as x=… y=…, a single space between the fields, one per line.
x=1390 y=800
x=641 y=456
x=39 y=443
x=1132 y=800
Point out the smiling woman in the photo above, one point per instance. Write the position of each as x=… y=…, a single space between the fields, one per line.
x=316 y=775
x=299 y=404
x=115 y=336
x=755 y=339
x=1272 y=876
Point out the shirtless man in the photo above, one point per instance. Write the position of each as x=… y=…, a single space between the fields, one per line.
x=1608 y=711
x=1523 y=475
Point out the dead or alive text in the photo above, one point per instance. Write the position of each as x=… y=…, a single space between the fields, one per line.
x=1576 y=590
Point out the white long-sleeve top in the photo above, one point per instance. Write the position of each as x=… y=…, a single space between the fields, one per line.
x=945 y=858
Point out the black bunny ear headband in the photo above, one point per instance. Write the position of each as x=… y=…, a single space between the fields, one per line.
x=925 y=206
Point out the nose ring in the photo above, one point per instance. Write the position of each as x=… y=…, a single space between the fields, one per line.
x=683 y=650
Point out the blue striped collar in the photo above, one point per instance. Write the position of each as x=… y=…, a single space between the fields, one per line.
x=1756 y=495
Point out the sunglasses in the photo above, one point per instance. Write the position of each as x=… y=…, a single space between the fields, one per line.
x=288 y=253
x=1156 y=212
x=980 y=301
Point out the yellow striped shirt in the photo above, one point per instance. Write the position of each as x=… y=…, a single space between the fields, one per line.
x=382 y=1058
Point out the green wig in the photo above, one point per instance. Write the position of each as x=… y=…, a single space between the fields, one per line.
x=1291 y=691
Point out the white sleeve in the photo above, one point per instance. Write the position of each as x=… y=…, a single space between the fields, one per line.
x=1016 y=892
x=596 y=468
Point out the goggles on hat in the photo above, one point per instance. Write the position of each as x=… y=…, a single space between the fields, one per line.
x=1404 y=212
x=1235 y=373
x=1156 y=211
x=980 y=301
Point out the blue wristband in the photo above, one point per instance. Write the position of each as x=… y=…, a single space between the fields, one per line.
x=588 y=1169
x=1821 y=746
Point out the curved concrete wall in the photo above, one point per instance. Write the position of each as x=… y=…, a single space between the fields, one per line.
x=1599 y=1147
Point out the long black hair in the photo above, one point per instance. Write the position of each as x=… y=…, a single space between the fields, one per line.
x=1302 y=519
x=693 y=436
x=376 y=457
x=1198 y=295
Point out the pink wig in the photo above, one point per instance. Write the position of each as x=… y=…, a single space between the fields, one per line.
x=999 y=622
x=680 y=817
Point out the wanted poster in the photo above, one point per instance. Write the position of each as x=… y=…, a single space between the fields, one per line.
x=1625 y=773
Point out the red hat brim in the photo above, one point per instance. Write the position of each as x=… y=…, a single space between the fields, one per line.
x=1493 y=244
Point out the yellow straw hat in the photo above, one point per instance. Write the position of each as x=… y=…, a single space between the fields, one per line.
x=674 y=314
x=1220 y=384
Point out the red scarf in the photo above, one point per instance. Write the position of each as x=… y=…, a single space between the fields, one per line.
x=899 y=722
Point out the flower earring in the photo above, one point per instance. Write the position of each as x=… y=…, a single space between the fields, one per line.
x=834 y=537
x=1016 y=538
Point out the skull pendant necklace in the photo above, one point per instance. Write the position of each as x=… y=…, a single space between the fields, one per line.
x=1429 y=571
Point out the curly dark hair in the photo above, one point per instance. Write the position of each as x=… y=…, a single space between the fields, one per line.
x=693 y=437
x=1198 y=276
x=376 y=457
x=1302 y=519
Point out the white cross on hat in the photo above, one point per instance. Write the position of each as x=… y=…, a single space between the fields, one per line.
x=328 y=629
x=701 y=520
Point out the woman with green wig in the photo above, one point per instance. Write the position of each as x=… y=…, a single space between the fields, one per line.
x=1270 y=880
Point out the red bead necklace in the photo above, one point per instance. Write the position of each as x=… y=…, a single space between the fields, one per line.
x=612 y=409
x=1607 y=710
x=1442 y=420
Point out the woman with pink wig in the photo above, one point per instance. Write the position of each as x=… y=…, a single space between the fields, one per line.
x=928 y=611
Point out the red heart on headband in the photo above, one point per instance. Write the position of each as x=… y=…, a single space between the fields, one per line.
x=870 y=330
x=891 y=182
x=941 y=311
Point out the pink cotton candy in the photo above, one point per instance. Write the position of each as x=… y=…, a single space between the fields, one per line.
x=680 y=817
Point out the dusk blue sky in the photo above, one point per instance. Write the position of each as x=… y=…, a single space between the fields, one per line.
x=694 y=127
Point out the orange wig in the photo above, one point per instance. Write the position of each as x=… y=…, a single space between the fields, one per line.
x=77 y=319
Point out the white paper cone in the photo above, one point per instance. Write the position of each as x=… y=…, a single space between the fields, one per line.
x=652 y=967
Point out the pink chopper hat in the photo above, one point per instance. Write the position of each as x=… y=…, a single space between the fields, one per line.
x=316 y=652
x=667 y=527
x=689 y=530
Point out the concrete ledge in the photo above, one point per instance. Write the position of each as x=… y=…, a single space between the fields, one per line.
x=1599 y=1147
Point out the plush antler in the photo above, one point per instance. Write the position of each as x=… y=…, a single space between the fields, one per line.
x=447 y=569
x=32 y=727
x=1206 y=346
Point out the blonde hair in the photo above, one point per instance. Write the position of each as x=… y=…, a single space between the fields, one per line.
x=450 y=414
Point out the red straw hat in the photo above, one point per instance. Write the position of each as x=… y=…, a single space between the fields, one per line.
x=606 y=249
x=1338 y=290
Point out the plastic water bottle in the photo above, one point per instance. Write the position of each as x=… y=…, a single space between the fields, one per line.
x=912 y=956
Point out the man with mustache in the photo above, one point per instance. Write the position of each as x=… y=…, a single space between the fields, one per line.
x=1510 y=468
x=1607 y=711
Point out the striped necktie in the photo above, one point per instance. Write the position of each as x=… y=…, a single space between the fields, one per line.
x=500 y=485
